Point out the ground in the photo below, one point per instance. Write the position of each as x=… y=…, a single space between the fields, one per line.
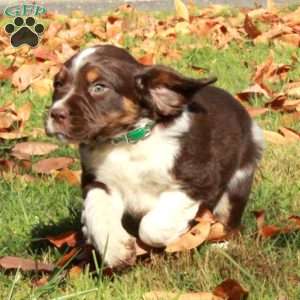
x=269 y=268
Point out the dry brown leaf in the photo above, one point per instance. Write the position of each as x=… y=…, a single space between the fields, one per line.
x=197 y=235
x=27 y=74
x=291 y=105
x=75 y=272
x=43 y=53
x=13 y=262
x=277 y=102
x=6 y=120
x=114 y=28
x=72 y=177
x=42 y=87
x=251 y=92
x=217 y=233
x=294 y=92
x=27 y=149
x=68 y=256
x=147 y=59
x=257 y=111
x=6 y=73
x=295 y=219
x=24 y=111
x=289 y=134
x=292 y=39
x=47 y=166
x=40 y=282
x=265 y=231
x=14 y=135
x=274 y=137
x=71 y=238
x=163 y=295
x=230 y=289
x=181 y=10
x=250 y=28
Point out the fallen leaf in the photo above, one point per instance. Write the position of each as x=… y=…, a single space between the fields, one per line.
x=14 y=135
x=68 y=256
x=294 y=92
x=217 y=233
x=250 y=28
x=13 y=262
x=193 y=238
x=72 y=177
x=291 y=105
x=6 y=73
x=163 y=295
x=289 y=134
x=265 y=231
x=24 y=111
x=27 y=74
x=295 y=219
x=75 y=272
x=257 y=111
x=47 y=166
x=277 y=102
x=70 y=238
x=42 y=87
x=147 y=59
x=27 y=149
x=251 y=92
x=274 y=137
x=230 y=289
x=181 y=10
x=40 y=282
x=42 y=53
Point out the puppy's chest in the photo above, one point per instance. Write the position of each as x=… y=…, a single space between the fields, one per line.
x=139 y=172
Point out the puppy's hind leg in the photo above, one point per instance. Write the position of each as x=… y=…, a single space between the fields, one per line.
x=231 y=205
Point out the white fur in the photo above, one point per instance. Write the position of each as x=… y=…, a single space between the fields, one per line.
x=223 y=208
x=257 y=135
x=169 y=218
x=78 y=62
x=140 y=183
x=139 y=172
x=81 y=58
x=240 y=175
x=102 y=216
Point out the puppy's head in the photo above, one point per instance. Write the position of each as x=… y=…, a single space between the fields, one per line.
x=103 y=91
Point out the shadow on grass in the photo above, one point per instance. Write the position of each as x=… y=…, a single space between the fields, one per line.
x=39 y=233
x=39 y=242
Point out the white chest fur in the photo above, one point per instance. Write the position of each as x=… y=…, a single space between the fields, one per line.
x=139 y=172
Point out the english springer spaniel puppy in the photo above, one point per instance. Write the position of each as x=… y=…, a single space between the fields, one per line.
x=154 y=145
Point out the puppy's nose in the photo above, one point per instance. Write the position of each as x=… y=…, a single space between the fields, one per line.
x=59 y=114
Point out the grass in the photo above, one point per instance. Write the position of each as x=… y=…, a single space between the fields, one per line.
x=30 y=211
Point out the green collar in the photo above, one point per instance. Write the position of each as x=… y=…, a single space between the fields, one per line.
x=133 y=136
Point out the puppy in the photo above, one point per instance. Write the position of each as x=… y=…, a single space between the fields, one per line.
x=154 y=145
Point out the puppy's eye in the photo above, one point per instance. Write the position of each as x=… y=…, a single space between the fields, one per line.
x=97 y=88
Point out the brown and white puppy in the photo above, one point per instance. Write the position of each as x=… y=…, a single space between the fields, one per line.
x=202 y=151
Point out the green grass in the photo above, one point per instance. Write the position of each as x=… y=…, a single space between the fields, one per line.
x=30 y=211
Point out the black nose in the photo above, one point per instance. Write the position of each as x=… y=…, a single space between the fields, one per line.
x=59 y=114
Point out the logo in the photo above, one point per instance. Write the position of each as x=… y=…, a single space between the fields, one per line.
x=24 y=29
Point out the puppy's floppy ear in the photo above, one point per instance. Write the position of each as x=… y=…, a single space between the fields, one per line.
x=166 y=90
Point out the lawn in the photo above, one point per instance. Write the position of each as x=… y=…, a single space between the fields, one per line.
x=30 y=210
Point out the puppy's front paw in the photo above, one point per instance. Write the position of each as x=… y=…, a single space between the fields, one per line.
x=121 y=255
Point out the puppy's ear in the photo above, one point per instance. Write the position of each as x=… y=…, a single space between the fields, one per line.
x=166 y=90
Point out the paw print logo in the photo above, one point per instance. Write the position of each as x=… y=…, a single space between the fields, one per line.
x=24 y=31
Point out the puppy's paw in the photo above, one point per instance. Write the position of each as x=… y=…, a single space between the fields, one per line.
x=121 y=255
